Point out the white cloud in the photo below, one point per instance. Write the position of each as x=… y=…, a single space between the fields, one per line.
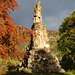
x=53 y=22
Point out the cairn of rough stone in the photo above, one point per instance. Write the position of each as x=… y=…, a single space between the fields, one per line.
x=42 y=61
x=40 y=58
x=21 y=66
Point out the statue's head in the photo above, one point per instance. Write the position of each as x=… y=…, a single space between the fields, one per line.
x=39 y=2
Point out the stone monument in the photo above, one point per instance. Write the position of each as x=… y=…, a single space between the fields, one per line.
x=40 y=58
x=41 y=41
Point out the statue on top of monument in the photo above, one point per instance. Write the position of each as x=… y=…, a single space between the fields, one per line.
x=37 y=7
x=38 y=3
x=37 y=14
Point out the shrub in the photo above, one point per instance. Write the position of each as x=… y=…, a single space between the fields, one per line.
x=67 y=62
x=3 y=67
x=7 y=65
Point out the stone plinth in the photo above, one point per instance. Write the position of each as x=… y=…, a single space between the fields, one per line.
x=41 y=41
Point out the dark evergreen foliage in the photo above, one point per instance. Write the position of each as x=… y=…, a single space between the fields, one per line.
x=66 y=43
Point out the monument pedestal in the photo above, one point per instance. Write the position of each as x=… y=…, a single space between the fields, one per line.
x=41 y=40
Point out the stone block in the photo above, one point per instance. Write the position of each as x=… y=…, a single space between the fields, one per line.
x=29 y=60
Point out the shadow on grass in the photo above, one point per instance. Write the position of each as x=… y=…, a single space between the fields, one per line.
x=11 y=68
x=23 y=73
x=17 y=73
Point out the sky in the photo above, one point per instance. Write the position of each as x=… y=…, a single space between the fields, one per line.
x=53 y=12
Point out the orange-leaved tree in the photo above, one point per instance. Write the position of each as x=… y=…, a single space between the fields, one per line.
x=10 y=35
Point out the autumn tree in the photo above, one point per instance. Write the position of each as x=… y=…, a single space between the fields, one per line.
x=66 y=43
x=10 y=35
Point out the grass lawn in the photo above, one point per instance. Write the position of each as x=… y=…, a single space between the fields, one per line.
x=23 y=73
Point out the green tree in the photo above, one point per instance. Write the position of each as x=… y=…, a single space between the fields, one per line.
x=66 y=43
